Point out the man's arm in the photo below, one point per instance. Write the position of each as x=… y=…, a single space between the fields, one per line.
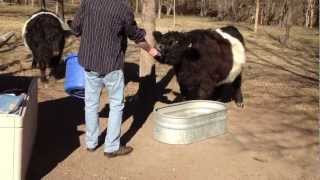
x=146 y=46
x=78 y=20
x=137 y=34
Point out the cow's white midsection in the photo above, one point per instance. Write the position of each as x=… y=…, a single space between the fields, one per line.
x=238 y=56
x=64 y=25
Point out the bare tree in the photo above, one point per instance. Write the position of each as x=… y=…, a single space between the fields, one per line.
x=311 y=13
x=159 y=9
x=257 y=16
x=42 y=4
x=268 y=12
x=60 y=9
x=147 y=72
x=271 y=12
x=169 y=6
x=137 y=6
x=174 y=13
x=286 y=22
x=203 y=8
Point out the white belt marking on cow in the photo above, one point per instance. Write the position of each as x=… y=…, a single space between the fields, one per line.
x=238 y=56
x=64 y=25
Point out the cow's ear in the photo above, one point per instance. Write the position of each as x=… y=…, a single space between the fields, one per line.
x=157 y=35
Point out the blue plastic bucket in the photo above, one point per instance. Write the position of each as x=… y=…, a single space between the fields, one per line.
x=74 y=79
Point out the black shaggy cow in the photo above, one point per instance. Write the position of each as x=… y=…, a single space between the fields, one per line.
x=44 y=34
x=204 y=59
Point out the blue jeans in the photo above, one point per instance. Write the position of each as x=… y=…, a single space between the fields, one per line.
x=114 y=82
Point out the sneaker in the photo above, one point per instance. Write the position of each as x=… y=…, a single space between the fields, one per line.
x=123 y=150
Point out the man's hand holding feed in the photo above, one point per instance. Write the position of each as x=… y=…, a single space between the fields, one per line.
x=151 y=50
x=154 y=52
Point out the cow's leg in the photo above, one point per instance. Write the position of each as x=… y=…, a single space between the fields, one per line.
x=37 y=62
x=43 y=58
x=205 y=94
x=206 y=89
x=54 y=65
x=182 y=96
x=56 y=59
x=237 y=94
x=183 y=93
x=42 y=66
x=35 y=57
x=34 y=62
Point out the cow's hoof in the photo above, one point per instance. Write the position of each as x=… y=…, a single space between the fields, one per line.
x=240 y=104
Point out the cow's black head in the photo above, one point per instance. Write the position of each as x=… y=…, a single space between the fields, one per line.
x=171 y=46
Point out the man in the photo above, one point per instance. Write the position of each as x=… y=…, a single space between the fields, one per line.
x=104 y=26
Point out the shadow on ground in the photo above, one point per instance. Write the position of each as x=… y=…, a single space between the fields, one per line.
x=57 y=134
x=138 y=106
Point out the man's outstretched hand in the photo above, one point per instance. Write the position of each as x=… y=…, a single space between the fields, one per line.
x=149 y=49
x=155 y=53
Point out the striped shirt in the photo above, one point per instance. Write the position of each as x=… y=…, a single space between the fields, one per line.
x=104 y=26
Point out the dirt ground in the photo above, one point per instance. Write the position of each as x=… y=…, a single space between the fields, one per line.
x=275 y=136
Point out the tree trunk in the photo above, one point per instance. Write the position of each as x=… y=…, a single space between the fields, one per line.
x=159 y=9
x=174 y=13
x=169 y=8
x=148 y=19
x=221 y=10
x=42 y=4
x=234 y=10
x=308 y=14
x=60 y=9
x=315 y=22
x=202 y=8
x=287 y=23
x=257 y=16
x=284 y=13
x=261 y=16
x=311 y=13
x=146 y=71
x=137 y=6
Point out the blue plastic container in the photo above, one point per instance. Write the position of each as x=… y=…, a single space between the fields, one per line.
x=74 y=80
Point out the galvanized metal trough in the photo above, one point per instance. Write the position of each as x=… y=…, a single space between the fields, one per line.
x=190 y=121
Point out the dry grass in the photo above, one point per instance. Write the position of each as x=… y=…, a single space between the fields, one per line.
x=16 y=10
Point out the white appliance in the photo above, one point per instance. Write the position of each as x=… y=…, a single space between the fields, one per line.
x=17 y=134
